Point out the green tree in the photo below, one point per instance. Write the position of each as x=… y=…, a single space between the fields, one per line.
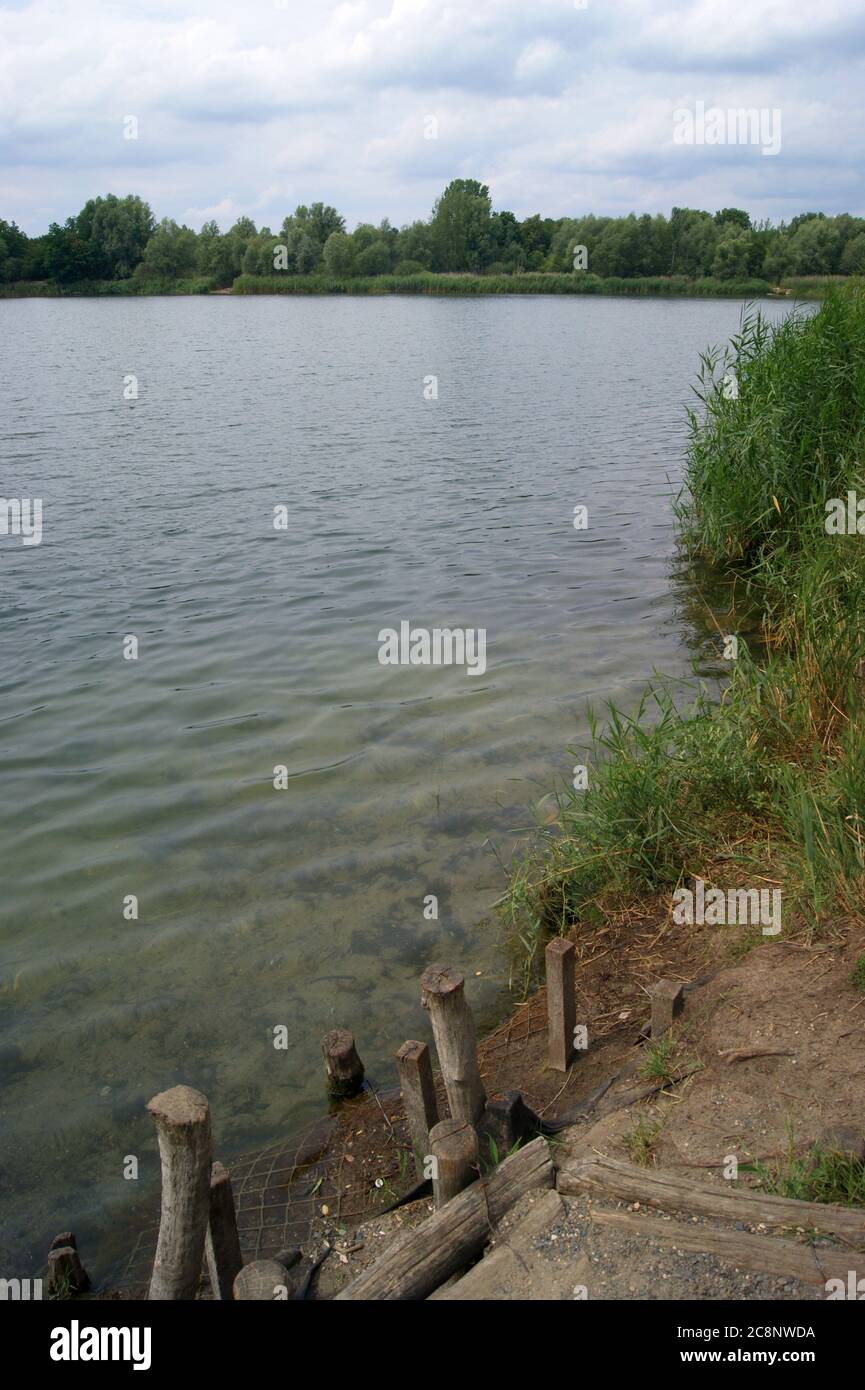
x=170 y=253
x=732 y=255
x=415 y=243
x=733 y=217
x=118 y=229
x=374 y=259
x=779 y=259
x=853 y=256
x=317 y=222
x=693 y=238
x=816 y=246
x=69 y=258
x=339 y=255
x=244 y=228
x=461 y=226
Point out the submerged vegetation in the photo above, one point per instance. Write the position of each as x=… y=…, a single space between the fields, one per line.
x=770 y=780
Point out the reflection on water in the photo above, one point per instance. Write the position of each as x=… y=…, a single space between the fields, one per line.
x=258 y=647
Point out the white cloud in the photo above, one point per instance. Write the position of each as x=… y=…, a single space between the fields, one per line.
x=254 y=108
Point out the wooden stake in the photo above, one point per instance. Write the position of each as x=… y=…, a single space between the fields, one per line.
x=561 y=1003
x=222 y=1246
x=419 y=1097
x=668 y=997
x=183 y=1129
x=454 y=1146
x=454 y=1032
x=344 y=1067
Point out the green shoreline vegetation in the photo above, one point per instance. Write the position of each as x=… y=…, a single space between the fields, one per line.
x=115 y=245
x=770 y=781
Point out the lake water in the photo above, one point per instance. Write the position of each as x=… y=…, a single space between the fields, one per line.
x=257 y=648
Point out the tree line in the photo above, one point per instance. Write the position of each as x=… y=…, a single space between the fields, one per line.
x=115 y=239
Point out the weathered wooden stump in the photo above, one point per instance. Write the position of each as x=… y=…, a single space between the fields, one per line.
x=182 y=1118
x=419 y=1097
x=506 y=1119
x=263 y=1281
x=560 y=957
x=668 y=998
x=454 y=1146
x=66 y=1274
x=442 y=993
x=344 y=1067
x=222 y=1246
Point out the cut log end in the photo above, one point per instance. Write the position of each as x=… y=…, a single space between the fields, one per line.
x=345 y=1070
x=179 y=1106
x=441 y=980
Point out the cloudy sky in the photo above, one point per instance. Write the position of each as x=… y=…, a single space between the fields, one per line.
x=560 y=107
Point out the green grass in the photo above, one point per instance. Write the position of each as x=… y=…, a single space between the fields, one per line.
x=774 y=772
x=528 y=283
x=665 y=1062
x=820 y=1175
x=640 y=1141
x=857 y=976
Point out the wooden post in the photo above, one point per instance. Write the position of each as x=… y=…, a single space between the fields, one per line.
x=505 y=1120
x=668 y=997
x=222 y=1246
x=561 y=1003
x=454 y=1032
x=454 y=1146
x=419 y=1097
x=344 y=1067
x=183 y=1128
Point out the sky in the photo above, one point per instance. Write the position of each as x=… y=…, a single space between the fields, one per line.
x=560 y=107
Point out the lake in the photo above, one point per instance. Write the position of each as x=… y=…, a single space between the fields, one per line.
x=166 y=437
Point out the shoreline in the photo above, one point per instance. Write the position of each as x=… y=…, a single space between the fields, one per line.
x=435 y=285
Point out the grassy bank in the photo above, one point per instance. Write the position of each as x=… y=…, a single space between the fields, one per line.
x=768 y=784
x=46 y=289
x=429 y=283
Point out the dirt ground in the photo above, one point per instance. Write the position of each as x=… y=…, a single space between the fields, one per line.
x=777 y=1040
x=773 y=1039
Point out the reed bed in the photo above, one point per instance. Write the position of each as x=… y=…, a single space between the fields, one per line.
x=767 y=783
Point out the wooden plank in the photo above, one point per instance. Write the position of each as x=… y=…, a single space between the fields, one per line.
x=658 y=1188
x=505 y=1265
x=766 y=1254
x=420 y=1260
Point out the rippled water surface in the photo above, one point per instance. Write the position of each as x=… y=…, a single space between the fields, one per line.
x=258 y=647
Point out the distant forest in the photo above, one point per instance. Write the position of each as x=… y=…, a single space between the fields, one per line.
x=117 y=239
